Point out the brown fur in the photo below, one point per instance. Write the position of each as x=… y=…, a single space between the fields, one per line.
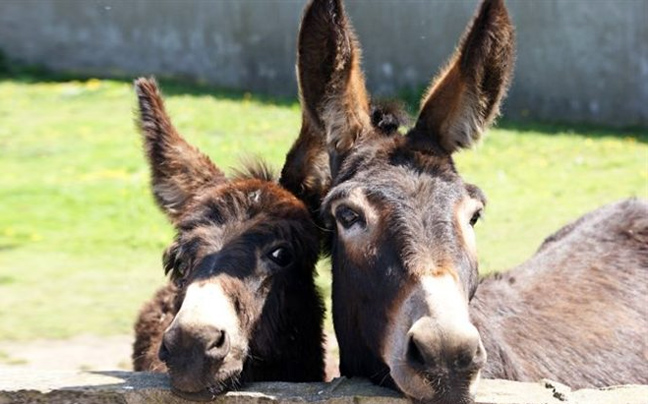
x=227 y=230
x=571 y=312
x=171 y=156
x=155 y=317
x=339 y=103
x=306 y=171
x=464 y=99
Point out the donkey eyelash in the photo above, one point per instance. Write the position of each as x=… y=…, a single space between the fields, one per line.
x=347 y=216
x=476 y=217
x=180 y=282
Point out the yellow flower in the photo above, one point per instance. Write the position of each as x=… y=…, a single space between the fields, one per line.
x=105 y=174
x=93 y=84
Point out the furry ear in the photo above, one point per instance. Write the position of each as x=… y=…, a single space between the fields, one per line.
x=465 y=98
x=178 y=170
x=335 y=104
x=331 y=83
x=306 y=172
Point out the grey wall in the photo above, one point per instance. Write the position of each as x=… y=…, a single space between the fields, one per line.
x=578 y=60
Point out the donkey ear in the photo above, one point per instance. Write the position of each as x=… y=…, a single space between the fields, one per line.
x=306 y=172
x=178 y=170
x=465 y=98
x=331 y=83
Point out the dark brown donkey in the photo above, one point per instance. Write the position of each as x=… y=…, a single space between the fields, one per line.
x=403 y=248
x=243 y=305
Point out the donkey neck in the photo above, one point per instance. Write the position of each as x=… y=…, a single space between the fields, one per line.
x=299 y=354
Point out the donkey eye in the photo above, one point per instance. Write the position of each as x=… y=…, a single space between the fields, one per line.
x=281 y=256
x=180 y=282
x=475 y=217
x=346 y=216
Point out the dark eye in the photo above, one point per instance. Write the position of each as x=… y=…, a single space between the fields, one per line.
x=475 y=217
x=346 y=216
x=281 y=256
x=180 y=282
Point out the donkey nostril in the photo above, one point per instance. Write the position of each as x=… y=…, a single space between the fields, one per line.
x=463 y=360
x=164 y=353
x=170 y=340
x=469 y=356
x=220 y=340
x=220 y=346
x=414 y=355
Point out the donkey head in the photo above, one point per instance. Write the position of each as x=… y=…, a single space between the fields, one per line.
x=243 y=261
x=401 y=217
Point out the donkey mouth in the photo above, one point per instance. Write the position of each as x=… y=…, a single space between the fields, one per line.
x=212 y=391
x=203 y=395
x=425 y=387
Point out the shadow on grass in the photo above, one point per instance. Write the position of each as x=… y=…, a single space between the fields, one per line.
x=411 y=98
x=408 y=99
x=582 y=129
x=176 y=85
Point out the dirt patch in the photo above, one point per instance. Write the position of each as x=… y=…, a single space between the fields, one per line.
x=78 y=353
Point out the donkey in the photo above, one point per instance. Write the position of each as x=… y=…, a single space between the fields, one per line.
x=243 y=305
x=401 y=221
x=575 y=311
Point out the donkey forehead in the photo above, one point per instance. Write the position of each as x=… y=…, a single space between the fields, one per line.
x=247 y=233
x=246 y=218
x=243 y=201
x=402 y=184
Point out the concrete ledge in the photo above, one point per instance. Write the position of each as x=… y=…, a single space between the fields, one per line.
x=138 y=388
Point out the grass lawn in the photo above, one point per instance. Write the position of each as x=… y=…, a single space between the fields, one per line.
x=81 y=239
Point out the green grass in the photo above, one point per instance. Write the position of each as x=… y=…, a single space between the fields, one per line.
x=81 y=239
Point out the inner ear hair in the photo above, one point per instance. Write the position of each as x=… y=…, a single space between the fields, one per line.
x=331 y=83
x=465 y=97
x=178 y=170
x=306 y=172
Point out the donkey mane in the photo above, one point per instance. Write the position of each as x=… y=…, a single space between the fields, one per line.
x=388 y=116
x=254 y=169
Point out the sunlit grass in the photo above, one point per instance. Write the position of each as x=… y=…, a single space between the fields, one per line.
x=81 y=239
x=536 y=182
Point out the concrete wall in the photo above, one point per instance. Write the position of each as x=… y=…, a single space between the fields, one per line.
x=116 y=387
x=578 y=60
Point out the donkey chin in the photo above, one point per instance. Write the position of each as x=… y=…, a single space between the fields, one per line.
x=204 y=348
x=207 y=382
x=434 y=353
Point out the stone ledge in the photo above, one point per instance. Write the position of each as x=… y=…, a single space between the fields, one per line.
x=110 y=387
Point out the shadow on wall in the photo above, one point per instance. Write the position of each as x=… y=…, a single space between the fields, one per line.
x=576 y=63
x=408 y=99
x=11 y=70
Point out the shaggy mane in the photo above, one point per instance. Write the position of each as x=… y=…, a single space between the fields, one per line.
x=388 y=116
x=254 y=169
